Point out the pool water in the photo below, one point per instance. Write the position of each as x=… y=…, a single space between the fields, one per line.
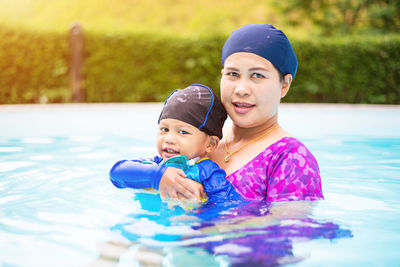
x=58 y=207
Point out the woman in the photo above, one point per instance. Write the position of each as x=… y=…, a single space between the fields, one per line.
x=261 y=159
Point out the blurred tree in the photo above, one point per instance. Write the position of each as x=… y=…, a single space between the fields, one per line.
x=337 y=17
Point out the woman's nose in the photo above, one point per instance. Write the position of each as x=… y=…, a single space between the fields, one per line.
x=242 y=88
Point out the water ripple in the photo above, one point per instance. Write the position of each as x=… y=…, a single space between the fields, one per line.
x=37 y=140
x=10 y=166
x=11 y=149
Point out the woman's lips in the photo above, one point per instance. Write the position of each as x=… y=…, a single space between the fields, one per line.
x=242 y=107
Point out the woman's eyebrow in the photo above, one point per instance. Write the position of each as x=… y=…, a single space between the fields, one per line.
x=258 y=69
x=250 y=70
x=231 y=68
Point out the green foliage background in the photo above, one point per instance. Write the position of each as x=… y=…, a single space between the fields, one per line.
x=174 y=17
x=140 y=67
x=33 y=66
x=133 y=55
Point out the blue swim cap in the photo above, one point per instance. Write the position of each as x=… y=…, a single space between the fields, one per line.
x=265 y=41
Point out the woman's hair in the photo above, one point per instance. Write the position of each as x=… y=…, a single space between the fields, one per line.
x=281 y=76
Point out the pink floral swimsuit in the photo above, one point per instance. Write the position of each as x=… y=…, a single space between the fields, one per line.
x=286 y=170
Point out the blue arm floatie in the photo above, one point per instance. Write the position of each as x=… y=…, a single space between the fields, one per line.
x=147 y=173
x=137 y=174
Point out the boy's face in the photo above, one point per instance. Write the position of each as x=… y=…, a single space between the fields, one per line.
x=178 y=138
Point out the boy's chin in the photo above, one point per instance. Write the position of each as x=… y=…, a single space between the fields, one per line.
x=169 y=155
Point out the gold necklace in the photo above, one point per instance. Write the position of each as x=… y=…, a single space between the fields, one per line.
x=230 y=154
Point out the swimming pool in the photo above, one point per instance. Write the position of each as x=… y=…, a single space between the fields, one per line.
x=58 y=208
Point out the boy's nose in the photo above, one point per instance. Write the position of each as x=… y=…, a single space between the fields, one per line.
x=170 y=138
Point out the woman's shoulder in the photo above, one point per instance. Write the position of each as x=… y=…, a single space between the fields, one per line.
x=288 y=153
x=286 y=143
x=288 y=146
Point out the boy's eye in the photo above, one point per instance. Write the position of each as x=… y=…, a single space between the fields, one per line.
x=163 y=129
x=183 y=132
x=257 y=75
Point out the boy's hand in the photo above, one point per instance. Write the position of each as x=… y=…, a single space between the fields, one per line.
x=175 y=185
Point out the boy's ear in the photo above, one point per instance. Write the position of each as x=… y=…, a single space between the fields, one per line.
x=212 y=144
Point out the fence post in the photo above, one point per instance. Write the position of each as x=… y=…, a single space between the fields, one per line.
x=76 y=46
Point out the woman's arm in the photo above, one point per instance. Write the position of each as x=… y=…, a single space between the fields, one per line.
x=294 y=174
x=174 y=184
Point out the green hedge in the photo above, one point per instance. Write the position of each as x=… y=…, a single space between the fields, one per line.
x=348 y=70
x=33 y=67
x=137 y=67
x=146 y=68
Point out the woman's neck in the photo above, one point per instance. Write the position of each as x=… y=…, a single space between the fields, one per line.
x=241 y=134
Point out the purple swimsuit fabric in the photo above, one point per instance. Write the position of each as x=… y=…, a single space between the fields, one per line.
x=284 y=171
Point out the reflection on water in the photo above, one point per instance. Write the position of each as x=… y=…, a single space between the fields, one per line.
x=253 y=233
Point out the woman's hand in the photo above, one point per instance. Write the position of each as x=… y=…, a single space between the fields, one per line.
x=174 y=184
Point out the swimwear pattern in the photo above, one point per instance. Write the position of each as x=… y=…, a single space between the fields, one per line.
x=284 y=171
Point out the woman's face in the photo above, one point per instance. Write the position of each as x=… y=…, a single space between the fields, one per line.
x=251 y=90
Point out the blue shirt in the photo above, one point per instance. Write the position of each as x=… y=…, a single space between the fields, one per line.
x=144 y=173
